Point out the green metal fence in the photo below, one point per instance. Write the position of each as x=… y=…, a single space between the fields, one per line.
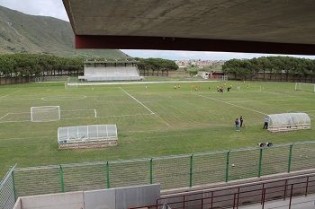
x=170 y=172
x=7 y=190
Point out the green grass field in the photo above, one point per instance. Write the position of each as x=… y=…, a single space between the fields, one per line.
x=184 y=120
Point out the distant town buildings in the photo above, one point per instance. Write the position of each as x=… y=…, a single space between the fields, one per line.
x=199 y=63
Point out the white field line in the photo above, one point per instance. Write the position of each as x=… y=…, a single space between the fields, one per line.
x=75 y=110
x=4 y=116
x=245 y=108
x=4 y=96
x=58 y=98
x=95 y=113
x=1 y=97
x=152 y=113
x=17 y=138
x=137 y=101
x=15 y=121
x=114 y=116
x=125 y=116
x=14 y=113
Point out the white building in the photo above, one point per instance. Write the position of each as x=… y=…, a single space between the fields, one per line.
x=110 y=71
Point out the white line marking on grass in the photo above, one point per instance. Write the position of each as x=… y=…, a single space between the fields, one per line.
x=229 y=103
x=1 y=97
x=18 y=138
x=13 y=113
x=58 y=98
x=137 y=101
x=95 y=113
x=123 y=116
x=152 y=113
x=15 y=121
x=4 y=96
x=4 y=116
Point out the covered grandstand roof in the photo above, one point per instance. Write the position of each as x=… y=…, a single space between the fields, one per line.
x=266 y=26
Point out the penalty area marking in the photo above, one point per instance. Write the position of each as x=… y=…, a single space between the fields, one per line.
x=245 y=108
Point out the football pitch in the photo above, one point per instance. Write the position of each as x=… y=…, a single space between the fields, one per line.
x=152 y=119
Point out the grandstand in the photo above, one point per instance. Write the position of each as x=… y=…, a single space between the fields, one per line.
x=110 y=71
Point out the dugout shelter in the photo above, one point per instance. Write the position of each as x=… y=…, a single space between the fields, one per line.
x=288 y=122
x=89 y=136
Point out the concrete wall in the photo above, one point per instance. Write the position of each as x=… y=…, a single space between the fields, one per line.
x=72 y=200
x=18 y=204
x=116 y=198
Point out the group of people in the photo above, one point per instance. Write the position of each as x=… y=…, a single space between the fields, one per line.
x=239 y=123
x=222 y=88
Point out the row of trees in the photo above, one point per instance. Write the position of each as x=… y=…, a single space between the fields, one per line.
x=37 y=65
x=271 y=68
x=32 y=65
x=156 y=65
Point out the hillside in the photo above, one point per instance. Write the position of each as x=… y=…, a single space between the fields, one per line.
x=22 y=33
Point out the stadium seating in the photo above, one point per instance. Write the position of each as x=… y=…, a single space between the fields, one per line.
x=111 y=74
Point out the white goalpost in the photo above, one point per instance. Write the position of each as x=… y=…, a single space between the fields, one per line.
x=45 y=113
x=310 y=87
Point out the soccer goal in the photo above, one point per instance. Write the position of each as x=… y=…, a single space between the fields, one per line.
x=45 y=113
x=71 y=83
x=309 y=87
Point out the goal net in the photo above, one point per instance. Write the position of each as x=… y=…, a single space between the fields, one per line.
x=71 y=83
x=45 y=113
x=309 y=87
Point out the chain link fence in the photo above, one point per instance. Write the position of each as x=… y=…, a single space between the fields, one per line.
x=7 y=190
x=171 y=172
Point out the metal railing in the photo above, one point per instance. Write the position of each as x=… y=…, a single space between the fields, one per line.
x=235 y=196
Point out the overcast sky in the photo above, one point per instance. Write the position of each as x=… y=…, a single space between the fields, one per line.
x=55 y=8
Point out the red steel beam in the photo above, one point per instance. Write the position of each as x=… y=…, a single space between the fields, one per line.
x=191 y=44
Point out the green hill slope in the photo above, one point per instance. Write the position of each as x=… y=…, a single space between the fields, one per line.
x=21 y=33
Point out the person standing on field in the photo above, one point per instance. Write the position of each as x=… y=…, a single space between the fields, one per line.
x=237 y=124
x=241 y=121
x=266 y=121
